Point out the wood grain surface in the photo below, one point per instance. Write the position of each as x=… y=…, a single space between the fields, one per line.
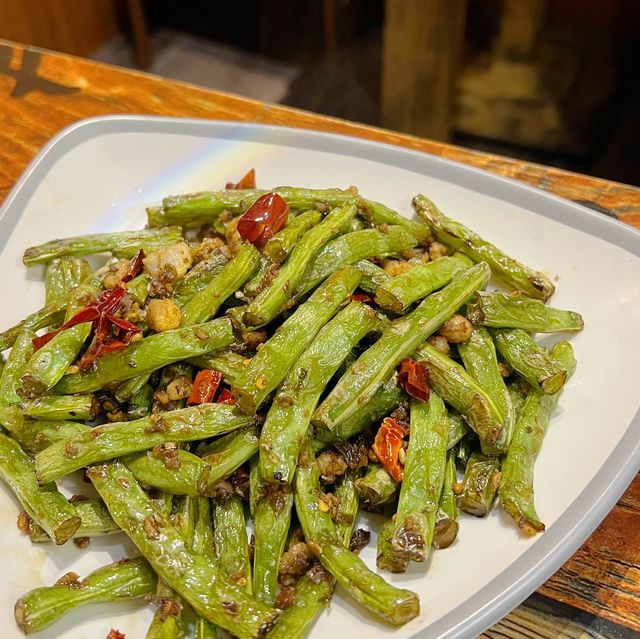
x=42 y=92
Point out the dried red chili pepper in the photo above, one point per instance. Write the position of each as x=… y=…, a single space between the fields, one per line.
x=100 y=314
x=365 y=298
x=205 y=386
x=115 y=634
x=387 y=445
x=413 y=378
x=226 y=397
x=263 y=219
x=247 y=182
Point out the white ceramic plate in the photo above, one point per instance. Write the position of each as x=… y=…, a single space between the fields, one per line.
x=100 y=174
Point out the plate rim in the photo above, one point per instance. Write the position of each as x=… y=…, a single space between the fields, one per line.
x=536 y=564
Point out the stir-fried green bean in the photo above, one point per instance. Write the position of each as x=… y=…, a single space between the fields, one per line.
x=510 y=271
x=201 y=583
x=379 y=597
x=122 y=580
x=499 y=310
x=530 y=360
x=149 y=354
x=121 y=244
x=272 y=362
x=121 y=438
x=43 y=503
x=353 y=247
x=421 y=486
x=516 y=486
x=446 y=528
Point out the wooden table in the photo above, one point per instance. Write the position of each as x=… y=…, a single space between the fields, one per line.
x=42 y=92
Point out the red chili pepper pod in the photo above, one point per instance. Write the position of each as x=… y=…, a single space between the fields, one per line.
x=135 y=267
x=365 y=298
x=387 y=445
x=413 y=378
x=264 y=219
x=226 y=397
x=205 y=386
x=247 y=182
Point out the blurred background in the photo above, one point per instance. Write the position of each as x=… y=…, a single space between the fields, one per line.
x=551 y=81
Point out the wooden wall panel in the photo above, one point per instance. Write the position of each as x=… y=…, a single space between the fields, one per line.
x=78 y=27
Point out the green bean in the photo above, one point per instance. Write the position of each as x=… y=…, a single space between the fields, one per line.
x=480 y=485
x=11 y=377
x=62 y=407
x=288 y=419
x=63 y=275
x=379 y=214
x=399 y=340
x=230 y=364
x=388 y=397
x=529 y=359
x=205 y=304
x=372 y=276
x=48 y=316
x=183 y=473
x=376 y=487
x=510 y=271
x=226 y=454
x=313 y=591
x=262 y=277
x=54 y=281
x=518 y=394
x=122 y=580
x=452 y=382
x=468 y=445
x=281 y=244
x=230 y=541
x=195 y=209
x=198 y=278
x=121 y=438
x=478 y=355
x=44 y=504
x=271 y=521
x=203 y=539
x=353 y=247
x=201 y=583
x=141 y=403
x=516 y=486
x=287 y=422
x=48 y=364
x=272 y=362
x=446 y=528
x=395 y=605
x=304 y=199
x=95 y=521
x=168 y=621
x=121 y=244
x=2 y=363
x=401 y=291
x=386 y=557
x=457 y=429
x=423 y=479
x=35 y=435
x=149 y=354
x=273 y=299
x=203 y=544
x=138 y=288
x=499 y=310
x=128 y=389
